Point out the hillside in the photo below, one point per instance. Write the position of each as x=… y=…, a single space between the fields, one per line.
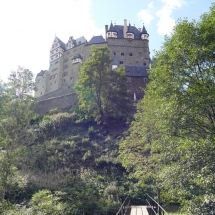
x=77 y=162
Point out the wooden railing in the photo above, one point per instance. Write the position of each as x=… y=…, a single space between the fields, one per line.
x=154 y=207
x=125 y=208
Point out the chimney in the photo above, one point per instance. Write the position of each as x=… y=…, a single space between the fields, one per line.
x=125 y=28
x=106 y=29
x=139 y=29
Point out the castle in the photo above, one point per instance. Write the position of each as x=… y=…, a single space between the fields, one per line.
x=128 y=46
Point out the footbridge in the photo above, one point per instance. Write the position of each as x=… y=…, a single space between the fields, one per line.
x=151 y=208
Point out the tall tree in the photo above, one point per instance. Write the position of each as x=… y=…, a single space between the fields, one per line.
x=177 y=117
x=16 y=112
x=101 y=91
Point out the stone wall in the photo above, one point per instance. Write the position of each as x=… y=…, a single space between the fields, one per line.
x=64 y=102
x=57 y=93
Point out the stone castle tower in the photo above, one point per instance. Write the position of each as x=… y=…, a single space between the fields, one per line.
x=129 y=47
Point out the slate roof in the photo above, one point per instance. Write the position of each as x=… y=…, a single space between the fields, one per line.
x=62 y=44
x=144 y=30
x=115 y=61
x=131 y=29
x=111 y=28
x=41 y=73
x=138 y=71
x=80 y=40
x=96 y=40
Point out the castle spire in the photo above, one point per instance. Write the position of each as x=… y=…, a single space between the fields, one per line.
x=144 y=34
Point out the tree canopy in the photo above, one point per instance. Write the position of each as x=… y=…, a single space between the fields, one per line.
x=172 y=137
x=102 y=92
x=16 y=110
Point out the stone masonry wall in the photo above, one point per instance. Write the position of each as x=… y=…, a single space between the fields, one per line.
x=61 y=102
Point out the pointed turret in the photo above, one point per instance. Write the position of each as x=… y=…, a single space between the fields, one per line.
x=144 y=34
x=115 y=63
x=129 y=33
x=111 y=33
x=57 y=49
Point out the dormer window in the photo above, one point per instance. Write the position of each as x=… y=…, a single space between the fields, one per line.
x=145 y=37
x=130 y=35
x=112 y=35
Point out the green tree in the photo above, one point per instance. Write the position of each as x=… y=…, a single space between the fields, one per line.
x=102 y=92
x=15 y=114
x=44 y=202
x=175 y=144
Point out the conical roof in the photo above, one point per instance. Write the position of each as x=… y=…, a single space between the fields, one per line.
x=129 y=29
x=144 y=30
x=111 y=28
x=115 y=61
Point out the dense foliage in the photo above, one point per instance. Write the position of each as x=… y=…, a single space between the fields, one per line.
x=56 y=164
x=102 y=92
x=171 y=142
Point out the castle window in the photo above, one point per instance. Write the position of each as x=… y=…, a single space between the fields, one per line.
x=66 y=66
x=128 y=79
x=65 y=74
x=121 y=62
x=122 y=53
x=114 y=53
x=130 y=54
x=144 y=63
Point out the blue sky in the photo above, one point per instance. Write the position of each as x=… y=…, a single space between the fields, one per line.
x=28 y=27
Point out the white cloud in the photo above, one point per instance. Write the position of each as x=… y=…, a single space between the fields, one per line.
x=146 y=15
x=151 y=5
x=166 y=23
x=28 y=28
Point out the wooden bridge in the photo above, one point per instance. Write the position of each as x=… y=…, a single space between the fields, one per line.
x=152 y=208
